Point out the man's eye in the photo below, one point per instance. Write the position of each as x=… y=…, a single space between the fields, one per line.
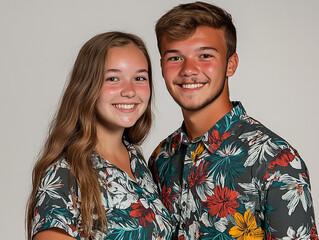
x=205 y=56
x=174 y=58
x=112 y=79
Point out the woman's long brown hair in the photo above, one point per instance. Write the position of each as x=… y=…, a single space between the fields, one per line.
x=72 y=134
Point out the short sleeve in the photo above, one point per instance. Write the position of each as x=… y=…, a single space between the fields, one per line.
x=54 y=206
x=288 y=207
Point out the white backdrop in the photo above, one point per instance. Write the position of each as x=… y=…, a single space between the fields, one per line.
x=277 y=79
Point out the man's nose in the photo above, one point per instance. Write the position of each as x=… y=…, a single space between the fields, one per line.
x=189 y=68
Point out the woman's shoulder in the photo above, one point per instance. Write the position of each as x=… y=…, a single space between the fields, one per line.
x=60 y=166
x=54 y=206
x=59 y=163
x=58 y=178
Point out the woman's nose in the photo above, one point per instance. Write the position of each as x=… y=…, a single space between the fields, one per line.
x=128 y=90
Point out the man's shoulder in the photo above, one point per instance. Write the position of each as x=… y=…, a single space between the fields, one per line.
x=166 y=145
x=264 y=145
x=252 y=129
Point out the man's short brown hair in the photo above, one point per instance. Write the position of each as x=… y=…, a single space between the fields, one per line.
x=182 y=21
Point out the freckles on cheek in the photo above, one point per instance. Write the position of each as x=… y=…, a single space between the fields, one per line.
x=109 y=90
x=144 y=91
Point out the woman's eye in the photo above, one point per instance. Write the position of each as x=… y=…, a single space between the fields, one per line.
x=140 y=79
x=112 y=79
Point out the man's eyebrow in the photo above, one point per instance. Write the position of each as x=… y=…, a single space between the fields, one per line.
x=171 y=51
x=206 y=48
x=196 y=50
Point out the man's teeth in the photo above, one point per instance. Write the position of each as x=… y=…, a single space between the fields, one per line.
x=192 y=86
x=125 y=106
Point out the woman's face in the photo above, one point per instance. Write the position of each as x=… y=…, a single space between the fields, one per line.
x=126 y=91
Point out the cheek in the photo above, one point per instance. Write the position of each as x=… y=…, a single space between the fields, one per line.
x=213 y=69
x=170 y=70
x=208 y=67
x=144 y=92
x=108 y=92
x=110 y=89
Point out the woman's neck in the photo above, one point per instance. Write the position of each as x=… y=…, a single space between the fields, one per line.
x=110 y=146
x=109 y=141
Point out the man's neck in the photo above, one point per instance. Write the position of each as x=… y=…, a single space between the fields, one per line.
x=199 y=122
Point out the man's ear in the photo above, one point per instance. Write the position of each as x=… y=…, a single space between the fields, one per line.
x=232 y=65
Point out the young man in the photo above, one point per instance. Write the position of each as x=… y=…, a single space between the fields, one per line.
x=222 y=175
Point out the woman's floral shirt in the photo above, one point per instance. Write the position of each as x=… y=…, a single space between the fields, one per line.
x=238 y=181
x=133 y=209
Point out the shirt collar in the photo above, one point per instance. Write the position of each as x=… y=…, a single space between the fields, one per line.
x=217 y=133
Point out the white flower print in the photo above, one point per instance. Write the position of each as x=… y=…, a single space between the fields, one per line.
x=260 y=146
x=251 y=188
x=221 y=224
x=301 y=234
x=229 y=150
x=298 y=191
x=194 y=231
x=48 y=187
x=117 y=196
x=148 y=184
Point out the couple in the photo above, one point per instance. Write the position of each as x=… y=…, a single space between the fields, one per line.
x=222 y=175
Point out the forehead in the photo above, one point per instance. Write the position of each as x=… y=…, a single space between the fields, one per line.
x=129 y=52
x=203 y=36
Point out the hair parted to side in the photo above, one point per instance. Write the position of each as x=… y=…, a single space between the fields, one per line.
x=72 y=134
x=181 y=21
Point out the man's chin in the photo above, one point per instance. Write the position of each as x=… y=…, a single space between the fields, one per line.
x=192 y=107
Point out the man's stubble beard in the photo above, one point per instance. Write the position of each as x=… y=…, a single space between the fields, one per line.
x=208 y=101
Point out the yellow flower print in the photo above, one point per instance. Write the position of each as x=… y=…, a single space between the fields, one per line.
x=246 y=228
x=199 y=150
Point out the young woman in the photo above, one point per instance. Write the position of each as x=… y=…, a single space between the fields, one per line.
x=90 y=181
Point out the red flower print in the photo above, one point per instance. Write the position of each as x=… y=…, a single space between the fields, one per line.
x=304 y=175
x=282 y=159
x=72 y=227
x=223 y=202
x=313 y=232
x=198 y=176
x=143 y=214
x=181 y=237
x=168 y=197
x=270 y=238
x=296 y=153
x=176 y=140
x=266 y=175
x=215 y=140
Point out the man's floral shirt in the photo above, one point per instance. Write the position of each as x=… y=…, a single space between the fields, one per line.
x=133 y=209
x=239 y=181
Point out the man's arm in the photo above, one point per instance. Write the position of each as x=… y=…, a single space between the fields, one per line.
x=288 y=208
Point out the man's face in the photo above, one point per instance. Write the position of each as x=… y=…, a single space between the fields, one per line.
x=195 y=68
